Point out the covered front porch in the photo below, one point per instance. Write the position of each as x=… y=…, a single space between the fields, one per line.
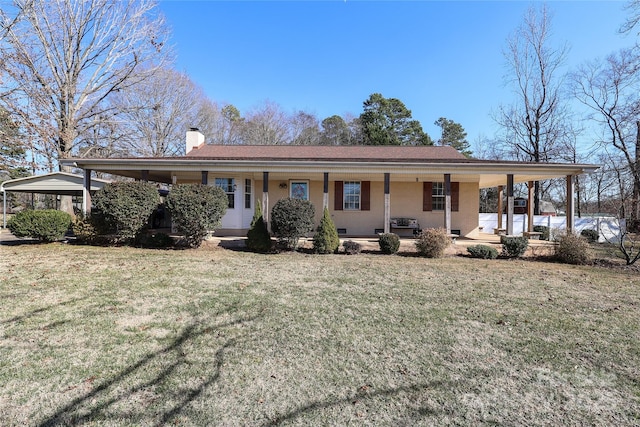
x=364 y=188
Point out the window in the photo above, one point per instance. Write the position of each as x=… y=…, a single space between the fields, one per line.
x=352 y=192
x=352 y=195
x=299 y=190
x=247 y=194
x=227 y=185
x=433 y=197
x=437 y=196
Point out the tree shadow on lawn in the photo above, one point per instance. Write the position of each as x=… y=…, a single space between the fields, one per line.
x=27 y=315
x=362 y=395
x=96 y=403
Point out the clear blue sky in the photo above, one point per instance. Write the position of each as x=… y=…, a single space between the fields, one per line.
x=442 y=59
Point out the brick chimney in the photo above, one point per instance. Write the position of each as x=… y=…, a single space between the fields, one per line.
x=194 y=139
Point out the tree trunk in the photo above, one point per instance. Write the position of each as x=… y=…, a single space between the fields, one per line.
x=635 y=199
x=66 y=202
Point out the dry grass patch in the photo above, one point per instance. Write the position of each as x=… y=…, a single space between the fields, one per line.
x=123 y=336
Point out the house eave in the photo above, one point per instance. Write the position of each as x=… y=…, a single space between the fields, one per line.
x=486 y=173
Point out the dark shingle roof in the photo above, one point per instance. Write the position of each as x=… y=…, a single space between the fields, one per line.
x=316 y=152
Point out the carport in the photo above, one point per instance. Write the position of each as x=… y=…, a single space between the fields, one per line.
x=58 y=183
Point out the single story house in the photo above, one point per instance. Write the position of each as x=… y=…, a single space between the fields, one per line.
x=367 y=189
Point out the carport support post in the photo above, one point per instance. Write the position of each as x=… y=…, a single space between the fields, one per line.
x=447 y=202
x=387 y=203
x=510 y=204
x=4 y=209
x=265 y=197
x=530 y=213
x=570 y=204
x=86 y=192
x=325 y=192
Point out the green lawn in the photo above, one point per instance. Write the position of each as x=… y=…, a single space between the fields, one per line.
x=125 y=336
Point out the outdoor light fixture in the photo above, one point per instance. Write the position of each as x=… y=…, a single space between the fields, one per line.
x=283 y=185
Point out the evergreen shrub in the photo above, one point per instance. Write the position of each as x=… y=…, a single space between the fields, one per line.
x=591 y=235
x=326 y=240
x=291 y=219
x=124 y=208
x=542 y=229
x=483 y=251
x=514 y=246
x=389 y=243
x=351 y=247
x=432 y=242
x=46 y=225
x=196 y=210
x=258 y=237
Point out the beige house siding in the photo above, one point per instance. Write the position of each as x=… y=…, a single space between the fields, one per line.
x=406 y=201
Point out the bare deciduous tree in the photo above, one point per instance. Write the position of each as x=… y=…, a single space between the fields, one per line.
x=534 y=124
x=610 y=89
x=64 y=58
x=153 y=116
x=266 y=125
x=305 y=129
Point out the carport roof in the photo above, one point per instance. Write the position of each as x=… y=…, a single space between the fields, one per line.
x=63 y=183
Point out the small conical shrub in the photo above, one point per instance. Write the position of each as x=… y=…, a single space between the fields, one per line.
x=326 y=240
x=258 y=238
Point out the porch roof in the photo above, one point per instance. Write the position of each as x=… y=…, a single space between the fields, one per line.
x=404 y=163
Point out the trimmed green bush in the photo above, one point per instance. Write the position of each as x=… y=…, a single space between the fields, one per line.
x=542 y=229
x=124 y=208
x=326 y=240
x=292 y=219
x=258 y=237
x=432 y=242
x=592 y=236
x=483 y=251
x=389 y=243
x=514 y=246
x=196 y=210
x=47 y=225
x=351 y=247
x=572 y=249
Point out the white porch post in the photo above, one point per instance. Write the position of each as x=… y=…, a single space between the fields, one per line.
x=265 y=197
x=387 y=203
x=447 y=202
x=570 y=204
x=509 y=204
x=530 y=206
x=4 y=209
x=86 y=192
x=500 y=207
x=325 y=192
